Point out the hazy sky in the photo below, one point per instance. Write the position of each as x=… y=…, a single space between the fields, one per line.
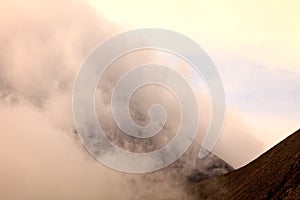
x=255 y=46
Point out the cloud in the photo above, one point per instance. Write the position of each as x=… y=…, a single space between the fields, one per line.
x=255 y=47
x=42 y=45
x=41 y=162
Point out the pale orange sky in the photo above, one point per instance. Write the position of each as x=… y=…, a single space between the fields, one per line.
x=263 y=31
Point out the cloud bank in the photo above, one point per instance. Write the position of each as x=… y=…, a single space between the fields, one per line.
x=42 y=44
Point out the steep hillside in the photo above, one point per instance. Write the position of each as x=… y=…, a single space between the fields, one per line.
x=274 y=175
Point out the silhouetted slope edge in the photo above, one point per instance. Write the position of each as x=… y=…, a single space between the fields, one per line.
x=274 y=175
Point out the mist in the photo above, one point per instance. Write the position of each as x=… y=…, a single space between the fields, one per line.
x=42 y=45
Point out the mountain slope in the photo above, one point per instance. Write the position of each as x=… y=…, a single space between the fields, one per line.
x=274 y=175
x=208 y=167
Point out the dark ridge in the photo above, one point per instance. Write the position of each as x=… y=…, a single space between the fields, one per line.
x=274 y=175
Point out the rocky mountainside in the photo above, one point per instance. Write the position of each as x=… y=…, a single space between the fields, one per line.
x=184 y=172
x=274 y=175
x=208 y=167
